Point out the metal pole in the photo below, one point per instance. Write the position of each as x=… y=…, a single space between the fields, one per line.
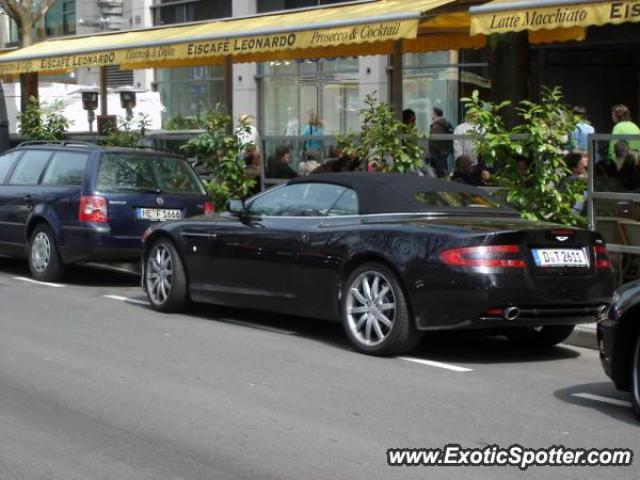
x=228 y=85
x=104 y=109
x=397 y=100
x=4 y=123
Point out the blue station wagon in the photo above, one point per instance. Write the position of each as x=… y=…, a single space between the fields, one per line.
x=64 y=203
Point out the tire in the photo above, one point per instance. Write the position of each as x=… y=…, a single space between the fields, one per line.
x=377 y=324
x=43 y=255
x=165 y=279
x=635 y=377
x=540 y=336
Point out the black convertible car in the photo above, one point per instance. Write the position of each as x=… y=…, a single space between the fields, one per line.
x=619 y=341
x=391 y=256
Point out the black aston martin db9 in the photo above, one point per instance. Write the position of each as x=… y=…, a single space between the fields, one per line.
x=619 y=341
x=390 y=256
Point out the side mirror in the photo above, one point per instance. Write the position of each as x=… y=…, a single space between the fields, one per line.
x=235 y=207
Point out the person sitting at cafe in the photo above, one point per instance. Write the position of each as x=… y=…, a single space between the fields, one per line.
x=279 y=164
x=469 y=174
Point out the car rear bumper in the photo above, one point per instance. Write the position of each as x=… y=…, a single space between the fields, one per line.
x=95 y=243
x=478 y=301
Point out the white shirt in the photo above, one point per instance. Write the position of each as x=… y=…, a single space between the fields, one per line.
x=465 y=147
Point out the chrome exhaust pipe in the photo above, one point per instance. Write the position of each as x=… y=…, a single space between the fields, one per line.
x=511 y=313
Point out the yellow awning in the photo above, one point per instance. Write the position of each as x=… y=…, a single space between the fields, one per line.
x=359 y=29
x=570 y=17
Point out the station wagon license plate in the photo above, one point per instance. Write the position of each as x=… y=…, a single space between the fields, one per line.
x=158 y=214
x=560 y=257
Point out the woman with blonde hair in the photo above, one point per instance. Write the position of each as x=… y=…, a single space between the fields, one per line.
x=621 y=116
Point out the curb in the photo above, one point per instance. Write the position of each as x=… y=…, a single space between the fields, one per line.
x=584 y=336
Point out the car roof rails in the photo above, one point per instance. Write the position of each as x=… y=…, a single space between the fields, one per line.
x=62 y=143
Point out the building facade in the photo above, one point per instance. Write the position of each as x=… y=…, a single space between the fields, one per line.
x=284 y=95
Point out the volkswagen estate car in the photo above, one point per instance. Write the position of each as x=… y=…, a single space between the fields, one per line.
x=66 y=202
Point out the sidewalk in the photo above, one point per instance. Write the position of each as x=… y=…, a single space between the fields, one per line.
x=584 y=336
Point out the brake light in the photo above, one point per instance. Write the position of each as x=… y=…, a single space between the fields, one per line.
x=93 y=209
x=209 y=207
x=490 y=256
x=602 y=259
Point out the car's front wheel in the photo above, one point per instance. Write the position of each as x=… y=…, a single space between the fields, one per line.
x=375 y=312
x=165 y=278
x=44 y=259
x=635 y=377
x=540 y=336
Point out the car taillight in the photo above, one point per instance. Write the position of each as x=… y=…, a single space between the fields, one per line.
x=209 y=207
x=489 y=256
x=602 y=259
x=93 y=209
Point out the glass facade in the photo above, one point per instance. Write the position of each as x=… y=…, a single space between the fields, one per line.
x=61 y=18
x=168 y=12
x=440 y=79
x=273 y=5
x=187 y=92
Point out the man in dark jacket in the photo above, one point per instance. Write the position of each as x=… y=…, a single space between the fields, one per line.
x=440 y=150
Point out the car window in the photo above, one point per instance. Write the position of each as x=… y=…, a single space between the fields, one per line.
x=176 y=176
x=124 y=172
x=347 y=204
x=66 y=168
x=6 y=162
x=299 y=200
x=30 y=167
x=455 y=199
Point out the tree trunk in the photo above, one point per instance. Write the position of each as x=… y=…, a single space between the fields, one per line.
x=509 y=70
x=28 y=81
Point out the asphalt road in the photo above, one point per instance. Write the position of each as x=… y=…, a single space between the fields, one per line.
x=95 y=385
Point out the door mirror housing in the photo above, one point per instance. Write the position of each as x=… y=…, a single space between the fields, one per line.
x=235 y=207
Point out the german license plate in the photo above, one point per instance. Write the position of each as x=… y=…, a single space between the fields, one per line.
x=158 y=214
x=560 y=257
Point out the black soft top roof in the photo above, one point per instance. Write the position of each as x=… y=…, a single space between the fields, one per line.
x=389 y=192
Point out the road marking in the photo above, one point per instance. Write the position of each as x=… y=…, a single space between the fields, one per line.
x=256 y=326
x=127 y=300
x=598 y=398
x=431 y=363
x=36 y=282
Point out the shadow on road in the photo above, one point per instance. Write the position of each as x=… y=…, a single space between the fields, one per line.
x=77 y=275
x=602 y=389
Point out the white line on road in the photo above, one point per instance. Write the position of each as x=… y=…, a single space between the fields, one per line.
x=266 y=328
x=431 y=363
x=127 y=300
x=598 y=398
x=44 y=284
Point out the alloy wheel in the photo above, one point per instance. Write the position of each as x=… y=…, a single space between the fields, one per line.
x=41 y=252
x=371 y=308
x=159 y=273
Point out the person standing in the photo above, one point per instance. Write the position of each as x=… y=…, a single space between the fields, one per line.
x=580 y=136
x=621 y=116
x=440 y=150
x=248 y=133
x=313 y=149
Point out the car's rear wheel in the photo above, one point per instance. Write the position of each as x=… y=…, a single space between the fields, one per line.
x=165 y=278
x=44 y=259
x=540 y=336
x=635 y=377
x=375 y=312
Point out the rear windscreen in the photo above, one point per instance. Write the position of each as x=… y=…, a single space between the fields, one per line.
x=130 y=172
x=455 y=200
